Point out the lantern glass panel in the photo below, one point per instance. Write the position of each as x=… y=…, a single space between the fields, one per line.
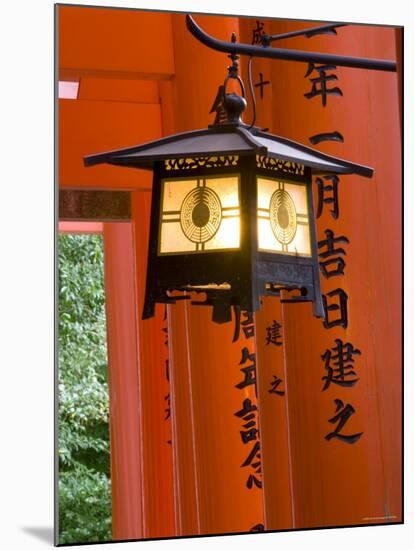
x=283 y=217
x=199 y=214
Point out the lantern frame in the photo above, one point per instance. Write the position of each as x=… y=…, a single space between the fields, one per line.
x=230 y=277
x=247 y=269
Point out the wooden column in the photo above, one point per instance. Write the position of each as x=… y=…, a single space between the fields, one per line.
x=274 y=394
x=399 y=47
x=141 y=455
x=153 y=373
x=125 y=407
x=119 y=103
x=271 y=376
x=205 y=365
x=355 y=480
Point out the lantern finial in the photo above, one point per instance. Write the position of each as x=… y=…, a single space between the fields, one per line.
x=229 y=107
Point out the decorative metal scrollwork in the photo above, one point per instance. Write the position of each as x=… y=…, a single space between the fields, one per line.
x=200 y=215
x=287 y=166
x=192 y=163
x=282 y=214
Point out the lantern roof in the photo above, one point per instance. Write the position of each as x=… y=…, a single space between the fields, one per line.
x=226 y=139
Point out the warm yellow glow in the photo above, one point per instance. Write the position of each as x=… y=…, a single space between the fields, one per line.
x=227 y=237
x=211 y=286
x=199 y=215
x=282 y=217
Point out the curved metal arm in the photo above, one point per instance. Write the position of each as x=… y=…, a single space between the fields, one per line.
x=290 y=55
x=307 y=32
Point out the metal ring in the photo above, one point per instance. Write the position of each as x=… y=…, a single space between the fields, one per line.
x=239 y=80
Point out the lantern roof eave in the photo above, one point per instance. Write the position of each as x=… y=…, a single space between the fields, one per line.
x=226 y=139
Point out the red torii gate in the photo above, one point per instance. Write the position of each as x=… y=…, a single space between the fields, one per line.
x=130 y=93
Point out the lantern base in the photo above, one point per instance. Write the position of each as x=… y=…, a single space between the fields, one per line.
x=222 y=297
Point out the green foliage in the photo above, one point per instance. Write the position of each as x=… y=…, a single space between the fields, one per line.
x=84 y=468
x=84 y=506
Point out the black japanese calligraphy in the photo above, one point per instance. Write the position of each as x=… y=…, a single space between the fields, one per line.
x=275 y=384
x=254 y=456
x=342 y=415
x=339 y=360
x=249 y=371
x=341 y=307
x=247 y=324
x=167 y=410
x=250 y=433
x=326 y=136
x=331 y=190
x=261 y=84
x=339 y=363
x=273 y=335
x=320 y=83
x=247 y=409
x=332 y=264
x=248 y=413
x=258 y=33
x=254 y=460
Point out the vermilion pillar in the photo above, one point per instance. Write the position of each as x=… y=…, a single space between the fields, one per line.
x=124 y=401
x=343 y=481
x=141 y=446
x=273 y=393
x=213 y=496
x=154 y=390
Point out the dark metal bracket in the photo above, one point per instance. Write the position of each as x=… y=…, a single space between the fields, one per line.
x=266 y=39
x=268 y=52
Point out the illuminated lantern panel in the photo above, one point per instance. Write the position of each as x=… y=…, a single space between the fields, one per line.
x=199 y=215
x=231 y=216
x=283 y=217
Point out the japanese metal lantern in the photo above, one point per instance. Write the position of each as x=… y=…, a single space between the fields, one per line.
x=232 y=214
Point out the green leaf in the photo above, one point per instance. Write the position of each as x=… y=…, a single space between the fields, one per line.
x=83 y=421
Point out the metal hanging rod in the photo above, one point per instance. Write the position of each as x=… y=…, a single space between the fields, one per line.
x=289 y=55
x=322 y=29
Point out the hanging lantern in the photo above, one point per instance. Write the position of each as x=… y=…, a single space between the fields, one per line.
x=232 y=212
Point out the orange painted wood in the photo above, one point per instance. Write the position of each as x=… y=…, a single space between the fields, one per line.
x=187 y=521
x=113 y=42
x=110 y=112
x=208 y=450
x=184 y=473
x=385 y=263
x=261 y=73
x=166 y=91
x=124 y=384
x=80 y=227
x=199 y=71
x=89 y=126
x=152 y=345
x=273 y=410
x=111 y=89
x=399 y=47
x=335 y=483
x=274 y=395
x=204 y=362
x=186 y=485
